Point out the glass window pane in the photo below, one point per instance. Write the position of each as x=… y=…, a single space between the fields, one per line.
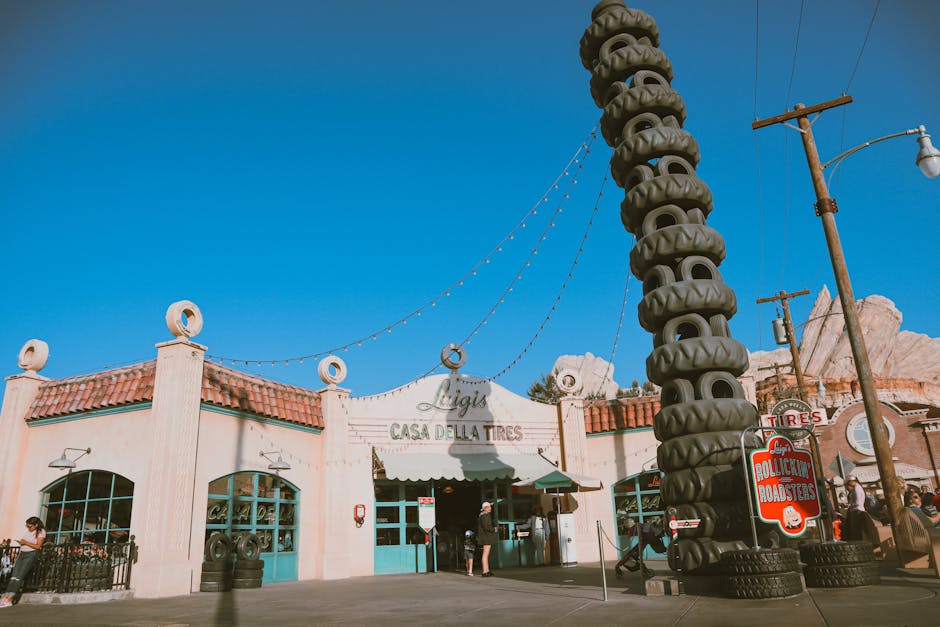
x=286 y=514
x=649 y=482
x=217 y=512
x=120 y=517
x=414 y=490
x=416 y=535
x=51 y=517
x=100 y=485
x=219 y=486
x=266 y=514
x=652 y=502
x=387 y=514
x=56 y=492
x=244 y=484
x=241 y=512
x=265 y=539
x=76 y=486
x=287 y=493
x=387 y=536
x=411 y=514
x=385 y=493
x=266 y=486
x=285 y=540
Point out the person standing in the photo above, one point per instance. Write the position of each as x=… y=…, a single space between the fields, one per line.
x=539 y=532
x=469 y=550
x=486 y=535
x=30 y=544
x=856 y=506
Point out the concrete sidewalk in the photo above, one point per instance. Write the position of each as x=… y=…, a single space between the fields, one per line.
x=526 y=596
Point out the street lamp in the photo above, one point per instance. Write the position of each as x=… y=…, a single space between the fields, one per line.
x=928 y=160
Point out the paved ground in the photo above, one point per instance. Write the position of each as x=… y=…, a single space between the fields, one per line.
x=535 y=596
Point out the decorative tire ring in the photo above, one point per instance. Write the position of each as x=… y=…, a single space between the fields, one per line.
x=763 y=562
x=240 y=584
x=218 y=547
x=771 y=586
x=212 y=586
x=836 y=553
x=568 y=381
x=33 y=356
x=842 y=576
x=448 y=361
x=216 y=567
x=252 y=564
x=332 y=370
x=220 y=577
x=248 y=547
x=184 y=319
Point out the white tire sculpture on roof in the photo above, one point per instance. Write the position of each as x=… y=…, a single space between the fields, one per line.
x=33 y=355
x=183 y=319
x=332 y=370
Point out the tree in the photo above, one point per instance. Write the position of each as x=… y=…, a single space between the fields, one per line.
x=544 y=390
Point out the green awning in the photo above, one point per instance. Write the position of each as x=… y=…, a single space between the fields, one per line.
x=561 y=480
x=463 y=466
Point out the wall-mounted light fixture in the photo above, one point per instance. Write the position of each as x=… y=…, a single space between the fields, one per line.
x=278 y=464
x=64 y=463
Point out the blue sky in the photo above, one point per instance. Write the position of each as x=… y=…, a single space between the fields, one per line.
x=311 y=172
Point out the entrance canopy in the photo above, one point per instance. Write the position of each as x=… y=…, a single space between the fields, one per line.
x=463 y=466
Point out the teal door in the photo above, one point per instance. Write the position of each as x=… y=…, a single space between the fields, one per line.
x=263 y=504
x=400 y=544
x=636 y=501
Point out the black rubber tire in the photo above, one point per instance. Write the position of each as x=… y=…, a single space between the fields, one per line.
x=774 y=586
x=689 y=358
x=705 y=483
x=216 y=567
x=242 y=584
x=703 y=449
x=249 y=564
x=651 y=144
x=218 y=547
x=704 y=416
x=719 y=520
x=842 y=576
x=679 y=240
x=657 y=277
x=836 y=553
x=623 y=62
x=614 y=20
x=700 y=556
x=706 y=297
x=215 y=577
x=684 y=190
x=215 y=587
x=762 y=562
x=655 y=99
x=248 y=547
x=676 y=392
x=705 y=385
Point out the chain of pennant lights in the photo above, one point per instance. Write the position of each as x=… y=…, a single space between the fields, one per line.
x=575 y=161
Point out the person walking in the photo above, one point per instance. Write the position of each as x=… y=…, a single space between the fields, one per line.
x=852 y=530
x=537 y=526
x=30 y=544
x=486 y=535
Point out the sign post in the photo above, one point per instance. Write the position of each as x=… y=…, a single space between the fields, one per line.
x=426 y=513
x=783 y=478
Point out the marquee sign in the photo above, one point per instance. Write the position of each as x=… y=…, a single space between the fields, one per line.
x=784 y=482
x=793 y=412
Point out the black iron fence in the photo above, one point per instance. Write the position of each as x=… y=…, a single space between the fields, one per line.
x=74 y=567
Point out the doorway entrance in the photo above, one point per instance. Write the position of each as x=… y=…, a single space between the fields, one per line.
x=458 y=507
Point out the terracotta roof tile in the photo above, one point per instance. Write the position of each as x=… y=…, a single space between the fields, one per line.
x=229 y=388
x=622 y=413
x=94 y=391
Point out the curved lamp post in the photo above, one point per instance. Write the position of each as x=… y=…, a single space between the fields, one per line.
x=928 y=160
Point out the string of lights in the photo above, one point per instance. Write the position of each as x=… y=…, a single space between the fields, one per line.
x=623 y=307
x=576 y=160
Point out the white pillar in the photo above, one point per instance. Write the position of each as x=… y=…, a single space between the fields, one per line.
x=163 y=504
x=335 y=520
x=21 y=391
x=574 y=459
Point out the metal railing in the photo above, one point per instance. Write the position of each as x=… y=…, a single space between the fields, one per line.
x=69 y=568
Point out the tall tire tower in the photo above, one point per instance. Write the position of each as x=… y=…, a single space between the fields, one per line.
x=686 y=305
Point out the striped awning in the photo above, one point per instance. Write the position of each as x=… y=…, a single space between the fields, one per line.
x=463 y=466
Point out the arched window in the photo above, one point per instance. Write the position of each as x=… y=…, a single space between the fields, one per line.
x=637 y=501
x=263 y=504
x=88 y=506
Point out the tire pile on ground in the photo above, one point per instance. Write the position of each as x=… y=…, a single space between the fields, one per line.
x=249 y=568
x=217 y=564
x=761 y=574
x=839 y=564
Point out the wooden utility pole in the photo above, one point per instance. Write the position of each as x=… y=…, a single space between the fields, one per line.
x=784 y=299
x=826 y=209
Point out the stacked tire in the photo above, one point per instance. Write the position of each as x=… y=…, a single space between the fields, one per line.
x=217 y=564
x=686 y=304
x=761 y=574
x=249 y=568
x=839 y=564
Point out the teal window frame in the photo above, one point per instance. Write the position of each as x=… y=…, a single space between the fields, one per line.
x=641 y=514
x=272 y=532
x=80 y=497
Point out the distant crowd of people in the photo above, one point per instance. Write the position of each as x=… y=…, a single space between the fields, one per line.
x=922 y=500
